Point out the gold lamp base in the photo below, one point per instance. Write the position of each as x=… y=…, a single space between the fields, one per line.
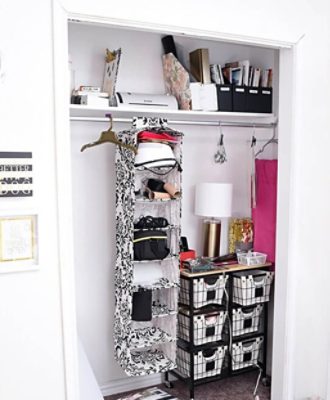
x=212 y=234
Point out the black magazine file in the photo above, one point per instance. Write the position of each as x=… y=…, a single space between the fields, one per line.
x=239 y=98
x=225 y=97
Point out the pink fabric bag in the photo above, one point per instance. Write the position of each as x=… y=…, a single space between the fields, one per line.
x=264 y=214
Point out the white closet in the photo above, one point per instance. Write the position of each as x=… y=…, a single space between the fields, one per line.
x=93 y=172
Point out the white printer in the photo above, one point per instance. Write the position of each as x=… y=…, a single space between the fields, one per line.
x=136 y=100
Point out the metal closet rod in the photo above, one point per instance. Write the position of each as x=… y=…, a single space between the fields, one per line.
x=180 y=122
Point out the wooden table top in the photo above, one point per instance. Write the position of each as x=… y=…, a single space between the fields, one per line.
x=225 y=268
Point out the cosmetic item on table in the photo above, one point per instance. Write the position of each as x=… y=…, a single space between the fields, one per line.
x=198 y=265
x=241 y=234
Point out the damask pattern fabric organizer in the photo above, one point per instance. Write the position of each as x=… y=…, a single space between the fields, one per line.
x=145 y=342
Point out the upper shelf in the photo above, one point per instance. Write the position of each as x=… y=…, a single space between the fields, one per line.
x=82 y=111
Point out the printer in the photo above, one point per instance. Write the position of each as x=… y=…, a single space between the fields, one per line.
x=136 y=100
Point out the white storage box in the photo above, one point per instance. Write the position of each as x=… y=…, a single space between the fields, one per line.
x=207 y=327
x=207 y=362
x=203 y=96
x=246 y=353
x=207 y=290
x=251 y=287
x=251 y=258
x=246 y=320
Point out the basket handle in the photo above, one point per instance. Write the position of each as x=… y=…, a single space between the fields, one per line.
x=259 y=283
x=247 y=315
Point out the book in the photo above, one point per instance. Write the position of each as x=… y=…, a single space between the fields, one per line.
x=270 y=78
x=237 y=76
x=256 y=77
x=226 y=72
x=264 y=78
x=250 y=76
x=245 y=65
x=215 y=76
x=200 y=65
x=221 y=75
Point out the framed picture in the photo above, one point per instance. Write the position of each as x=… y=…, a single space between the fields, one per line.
x=18 y=243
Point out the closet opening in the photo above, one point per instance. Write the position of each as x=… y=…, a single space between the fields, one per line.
x=91 y=179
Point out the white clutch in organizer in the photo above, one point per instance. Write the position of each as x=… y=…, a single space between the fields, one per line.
x=147 y=274
x=112 y=60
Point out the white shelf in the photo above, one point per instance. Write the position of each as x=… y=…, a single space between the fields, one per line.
x=77 y=110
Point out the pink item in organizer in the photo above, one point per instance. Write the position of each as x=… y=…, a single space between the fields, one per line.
x=264 y=214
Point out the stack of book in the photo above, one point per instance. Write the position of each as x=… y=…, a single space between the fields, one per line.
x=241 y=73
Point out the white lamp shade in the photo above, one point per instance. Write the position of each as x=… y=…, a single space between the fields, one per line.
x=213 y=199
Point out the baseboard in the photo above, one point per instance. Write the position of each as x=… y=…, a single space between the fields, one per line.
x=130 y=383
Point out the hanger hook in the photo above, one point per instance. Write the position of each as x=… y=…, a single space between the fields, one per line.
x=110 y=118
x=254 y=139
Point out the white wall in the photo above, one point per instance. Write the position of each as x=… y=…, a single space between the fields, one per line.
x=31 y=346
x=310 y=188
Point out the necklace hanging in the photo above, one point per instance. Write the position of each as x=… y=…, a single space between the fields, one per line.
x=220 y=156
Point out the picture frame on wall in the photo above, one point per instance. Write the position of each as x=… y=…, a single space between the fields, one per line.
x=18 y=243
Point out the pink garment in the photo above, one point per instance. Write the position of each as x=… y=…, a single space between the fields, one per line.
x=264 y=214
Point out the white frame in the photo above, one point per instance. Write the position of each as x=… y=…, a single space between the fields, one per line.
x=282 y=381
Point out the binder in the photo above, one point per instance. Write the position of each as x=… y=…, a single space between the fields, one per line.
x=200 y=65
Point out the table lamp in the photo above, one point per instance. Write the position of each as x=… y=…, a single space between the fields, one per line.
x=213 y=200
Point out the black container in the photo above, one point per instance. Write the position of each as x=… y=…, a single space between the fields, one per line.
x=142 y=305
x=239 y=98
x=225 y=97
x=266 y=100
x=253 y=99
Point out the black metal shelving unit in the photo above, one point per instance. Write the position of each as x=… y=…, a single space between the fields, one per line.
x=256 y=328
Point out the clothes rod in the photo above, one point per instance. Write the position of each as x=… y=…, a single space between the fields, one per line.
x=178 y=122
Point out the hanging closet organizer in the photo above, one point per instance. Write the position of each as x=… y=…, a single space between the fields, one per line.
x=145 y=347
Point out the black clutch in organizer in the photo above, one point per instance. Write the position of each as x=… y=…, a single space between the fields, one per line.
x=150 y=245
x=142 y=307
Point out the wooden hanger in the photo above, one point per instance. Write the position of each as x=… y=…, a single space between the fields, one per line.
x=109 y=136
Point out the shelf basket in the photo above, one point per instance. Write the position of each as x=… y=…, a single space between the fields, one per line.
x=246 y=320
x=252 y=287
x=207 y=326
x=209 y=362
x=207 y=290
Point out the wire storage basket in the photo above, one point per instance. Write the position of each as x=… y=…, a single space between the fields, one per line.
x=252 y=287
x=246 y=320
x=208 y=326
x=207 y=290
x=247 y=353
x=207 y=363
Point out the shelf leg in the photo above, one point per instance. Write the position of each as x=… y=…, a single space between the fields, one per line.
x=167 y=381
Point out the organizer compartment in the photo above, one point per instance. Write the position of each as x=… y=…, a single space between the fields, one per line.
x=207 y=290
x=207 y=326
x=252 y=287
x=246 y=353
x=209 y=362
x=246 y=320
